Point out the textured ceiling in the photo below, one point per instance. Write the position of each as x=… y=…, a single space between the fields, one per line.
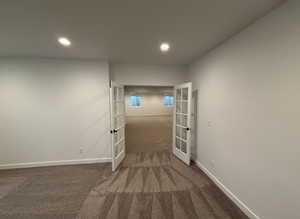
x=126 y=31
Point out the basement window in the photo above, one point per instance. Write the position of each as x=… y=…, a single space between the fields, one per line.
x=135 y=101
x=168 y=101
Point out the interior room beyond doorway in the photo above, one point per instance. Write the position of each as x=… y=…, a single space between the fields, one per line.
x=149 y=118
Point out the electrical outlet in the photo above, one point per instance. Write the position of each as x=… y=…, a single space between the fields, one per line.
x=209 y=123
x=81 y=150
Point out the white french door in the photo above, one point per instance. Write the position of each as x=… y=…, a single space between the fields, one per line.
x=117 y=111
x=182 y=122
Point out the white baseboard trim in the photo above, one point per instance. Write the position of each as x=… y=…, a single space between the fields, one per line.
x=54 y=163
x=233 y=197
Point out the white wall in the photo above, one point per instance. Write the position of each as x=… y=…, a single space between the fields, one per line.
x=152 y=101
x=50 y=109
x=248 y=89
x=159 y=75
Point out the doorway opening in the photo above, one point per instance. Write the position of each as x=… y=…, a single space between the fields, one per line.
x=149 y=118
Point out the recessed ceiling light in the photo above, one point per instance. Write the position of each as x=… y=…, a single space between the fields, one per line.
x=64 y=41
x=164 y=47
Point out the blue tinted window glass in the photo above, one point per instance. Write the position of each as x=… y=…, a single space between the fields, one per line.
x=168 y=101
x=135 y=101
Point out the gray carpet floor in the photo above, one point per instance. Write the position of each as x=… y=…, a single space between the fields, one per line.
x=48 y=192
x=148 y=133
x=150 y=184
x=156 y=185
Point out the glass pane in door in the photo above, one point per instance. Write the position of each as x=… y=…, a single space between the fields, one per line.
x=178 y=94
x=178 y=131
x=120 y=94
x=178 y=119
x=183 y=147
x=115 y=94
x=184 y=120
x=183 y=133
x=185 y=93
x=177 y=143
x=184 y=107
x=178 y=106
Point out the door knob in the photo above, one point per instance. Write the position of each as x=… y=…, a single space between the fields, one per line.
x=113 y=131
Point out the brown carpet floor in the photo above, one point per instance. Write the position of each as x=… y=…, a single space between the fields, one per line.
x=148 y=133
